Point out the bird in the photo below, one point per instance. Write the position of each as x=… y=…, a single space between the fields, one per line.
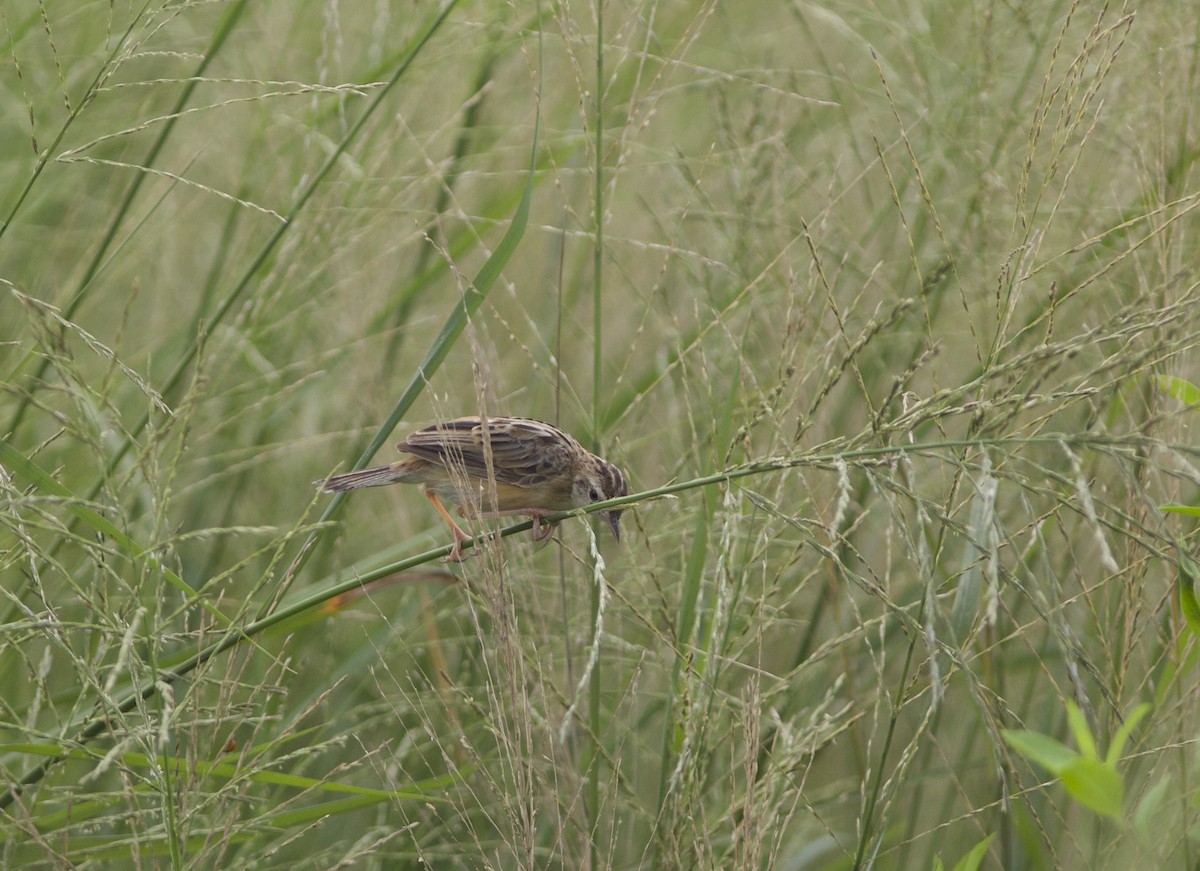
x=531 y=467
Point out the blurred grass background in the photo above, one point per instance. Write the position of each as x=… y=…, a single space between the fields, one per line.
x=934 y=262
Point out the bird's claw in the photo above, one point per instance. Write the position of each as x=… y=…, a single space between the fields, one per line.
x=541 y=531
x=458 y=557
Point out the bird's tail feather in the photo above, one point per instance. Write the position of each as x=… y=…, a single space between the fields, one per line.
x=375 y=477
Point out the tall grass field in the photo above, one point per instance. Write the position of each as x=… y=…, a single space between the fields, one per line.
x=889 y=312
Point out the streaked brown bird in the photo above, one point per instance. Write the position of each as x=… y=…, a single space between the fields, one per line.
x=537 y=468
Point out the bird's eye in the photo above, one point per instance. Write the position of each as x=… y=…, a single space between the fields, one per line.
x=594 y=495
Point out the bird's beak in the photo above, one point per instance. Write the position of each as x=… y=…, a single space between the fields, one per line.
x=614 y=522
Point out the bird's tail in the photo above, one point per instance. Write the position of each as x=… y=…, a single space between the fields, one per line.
x=375 y=477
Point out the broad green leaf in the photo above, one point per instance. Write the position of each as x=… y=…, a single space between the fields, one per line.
x=1082 y=732
x=1095 y=785
x=1175 y=508
x=1188 y=602
x=306 y=816
x=1188 y=566
x=1185 y=391
x=974 y=858
x=1052 y=755
x=1123 y=733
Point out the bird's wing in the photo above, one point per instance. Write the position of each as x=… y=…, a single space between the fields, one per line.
x=524 y=452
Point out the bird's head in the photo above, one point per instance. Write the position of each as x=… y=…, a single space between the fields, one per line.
x=599 y=482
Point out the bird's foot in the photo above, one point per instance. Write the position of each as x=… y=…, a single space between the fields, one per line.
x=541 y=531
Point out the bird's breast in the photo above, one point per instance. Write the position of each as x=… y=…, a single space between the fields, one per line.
x=474 y=493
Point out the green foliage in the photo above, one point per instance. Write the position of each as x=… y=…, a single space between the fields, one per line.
x=1188 y=577
x=1185 y=391
x=971 y=861
x=1090 y=780
x=1189 y=394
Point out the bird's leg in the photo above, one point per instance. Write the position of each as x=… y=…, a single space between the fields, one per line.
x=456 y=554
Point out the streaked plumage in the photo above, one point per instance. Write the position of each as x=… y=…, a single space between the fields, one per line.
x=536 y=468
